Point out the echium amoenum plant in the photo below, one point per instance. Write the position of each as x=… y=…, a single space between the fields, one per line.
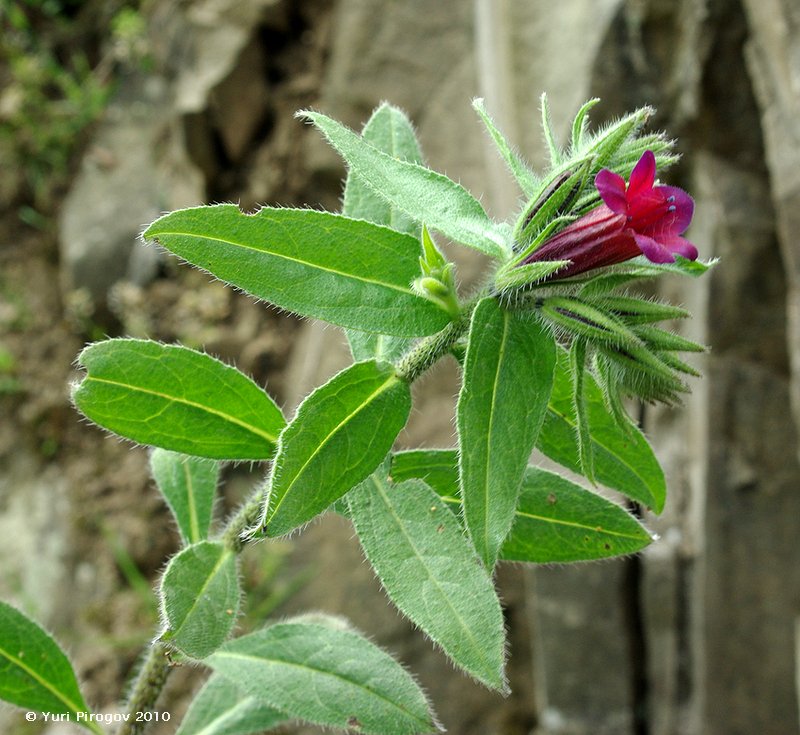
x=549 y=347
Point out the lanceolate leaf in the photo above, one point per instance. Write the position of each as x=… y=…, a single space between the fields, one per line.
x=506 y=386
x=623 y=459
x=220 y=708
x=341 y=433
x=559 y=521
x=390 y=131
x=348 y=272
x=34 y=672
x=200 y=598
x=427 y=196
x=327 y=676
x=189 y=485
x=430 y=572
x=556 y=520
x=173 y=397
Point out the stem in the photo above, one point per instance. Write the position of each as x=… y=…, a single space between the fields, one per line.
x=427 y=351
x=149 y=682
x=233 y=536
x=156 y=667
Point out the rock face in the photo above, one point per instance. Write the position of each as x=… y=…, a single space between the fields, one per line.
x=698 y=635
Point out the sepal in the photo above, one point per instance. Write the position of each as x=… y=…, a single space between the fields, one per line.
x=553 y=200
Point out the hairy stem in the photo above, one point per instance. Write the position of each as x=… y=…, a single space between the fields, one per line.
x=155 y=668
x=235 y=534
x=427 y=351
x=149 y=683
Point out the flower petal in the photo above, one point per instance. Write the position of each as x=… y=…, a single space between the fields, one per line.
x=681 y=246
x=654 y=251
x=643 y=175
x=678 y=220
x=611 y=188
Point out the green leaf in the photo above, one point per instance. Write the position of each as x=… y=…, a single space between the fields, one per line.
x=623 y=459
x=438 y=467
x=341 y=433
x=220 y=708
x=559 y=521
x=430 y=572
x=34 y=672
x=348 y=272
x=189 y=485
x=506 y=386
x=425 y=195
x=525 y=177
x=390 y=131
x=175 y=398
x=555 y=520
x=327 y=676
x=200 y=598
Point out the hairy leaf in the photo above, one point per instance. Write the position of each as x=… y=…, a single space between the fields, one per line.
x=200 y=598
x=341 y=433
x=327 y=676
x=220 y=708
x=390 y=131
x=506 y=386
x=525 y=177
x=430 y=572
x=559 y=521
x=556 y=520
x=348 y=272
x=426 y=195
x=189 y=485
x=176 y=398
x=623 y=459
x=34 y=671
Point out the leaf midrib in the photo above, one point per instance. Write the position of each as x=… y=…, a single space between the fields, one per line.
x=450 y=500
x=551 y=409
x=194 y=522
x=325 y=269
x=199 y=595
x=574 y=524
x=392 y=379
x=476 y=646
x=185 y=401
x=322 y=672
x=489 y=442
x=43 y=682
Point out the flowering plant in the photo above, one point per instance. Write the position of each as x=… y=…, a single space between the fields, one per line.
x=547 y=350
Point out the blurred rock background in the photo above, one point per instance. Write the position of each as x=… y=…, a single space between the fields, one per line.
x=114 y=111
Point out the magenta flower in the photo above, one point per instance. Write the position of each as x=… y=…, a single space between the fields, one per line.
x=637 y=219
